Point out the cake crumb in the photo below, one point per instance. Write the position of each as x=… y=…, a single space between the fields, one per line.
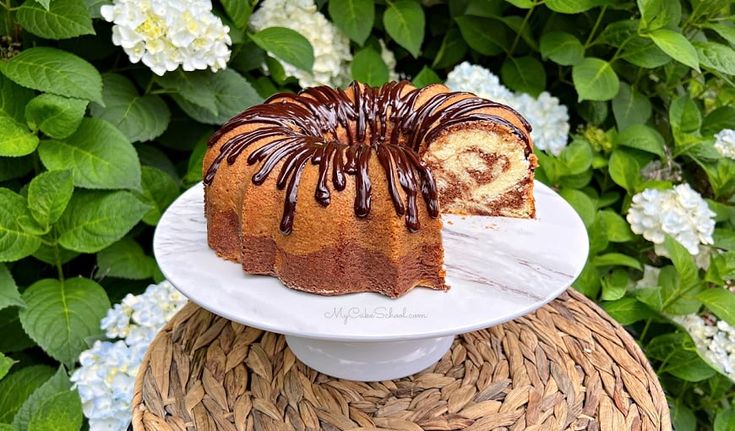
x=450 y=222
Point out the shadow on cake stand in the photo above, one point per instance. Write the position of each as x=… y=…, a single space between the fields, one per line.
x=498 y=269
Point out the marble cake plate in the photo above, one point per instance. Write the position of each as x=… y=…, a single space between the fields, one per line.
x=498 y=269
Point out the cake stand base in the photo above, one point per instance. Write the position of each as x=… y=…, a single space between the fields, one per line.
x=369 y=361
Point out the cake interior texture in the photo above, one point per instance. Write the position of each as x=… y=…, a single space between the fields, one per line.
x=341 y=191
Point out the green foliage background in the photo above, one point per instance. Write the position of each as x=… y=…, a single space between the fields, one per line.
x=93 y=149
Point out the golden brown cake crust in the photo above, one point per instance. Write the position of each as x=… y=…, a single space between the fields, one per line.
x=327 y=189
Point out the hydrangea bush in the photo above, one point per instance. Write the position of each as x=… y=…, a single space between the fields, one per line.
x=105 y=108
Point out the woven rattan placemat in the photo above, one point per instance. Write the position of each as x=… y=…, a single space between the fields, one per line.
x=566 y=366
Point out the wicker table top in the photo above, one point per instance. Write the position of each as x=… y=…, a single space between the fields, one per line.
x=566 y=366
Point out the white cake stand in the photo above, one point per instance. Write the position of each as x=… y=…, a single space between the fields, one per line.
x=498 y=269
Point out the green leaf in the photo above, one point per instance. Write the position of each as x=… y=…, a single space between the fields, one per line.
x=627 y=310
x=684 y=115
x=62 y=412
x=522 y=4
x=139 y=118
x=624 y=170
x=18 y=386
x=368 y=67
x=642 y=137
x=588 y=281
x=159 y=191
x=576 y=157
x=99 y=156
x=194 y=169
x=276 y=71
x=618 y=230
x=562 y=48
x=683 y=262
x=725 y=31
x=682 y=417
x=721 y=175
x=725 y=420
x=13 y=99
x=15 y=240
x=657 y=14
x=426 y=77
x=5 y=364
x=721 y=118
x=597 y=239
x=354 y=17
x=572 y=6
x=488 y=9
x=232 y=94
x=616 y=259
x=63 y=19
x=483 y=35
x=15 y=139
x=48 y=195
x=594 y=79
x=404 y=21
x=593 y=111
x=630 y=107
x=287 y=45
x=94 y=220
x=452 y=49
x=721 y=302
x=615 y=284
x=58 y=383
x=716 y=56
x=524 y=74
x=54 y=254
x=680 y=356
x=56 y=116
x=239 y=11
x=54 y=71
x=516 y=24
x=61 y=315
x=581 y=203
x=14 y=339
x=676 y=46
x=9 y=296
x=644 y=53
x=125 y=259
x=194 y=87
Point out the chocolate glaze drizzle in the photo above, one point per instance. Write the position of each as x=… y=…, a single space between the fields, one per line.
x=379 y=122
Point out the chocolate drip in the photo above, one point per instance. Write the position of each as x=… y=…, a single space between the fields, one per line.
x=385 y=122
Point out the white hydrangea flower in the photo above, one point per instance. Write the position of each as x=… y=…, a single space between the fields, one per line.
x=166 y=34
x=105 y=383
x=331 y=46
x=116 y=323
x=478 y=80
x=714 y=338
x=106 y=377
x=725 y=143
x=680 y=212
x=549 y=118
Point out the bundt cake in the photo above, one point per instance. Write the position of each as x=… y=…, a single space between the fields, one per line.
x=338 y=191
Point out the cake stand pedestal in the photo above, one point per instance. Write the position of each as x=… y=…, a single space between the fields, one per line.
x=498 y=269
x=369 y=361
